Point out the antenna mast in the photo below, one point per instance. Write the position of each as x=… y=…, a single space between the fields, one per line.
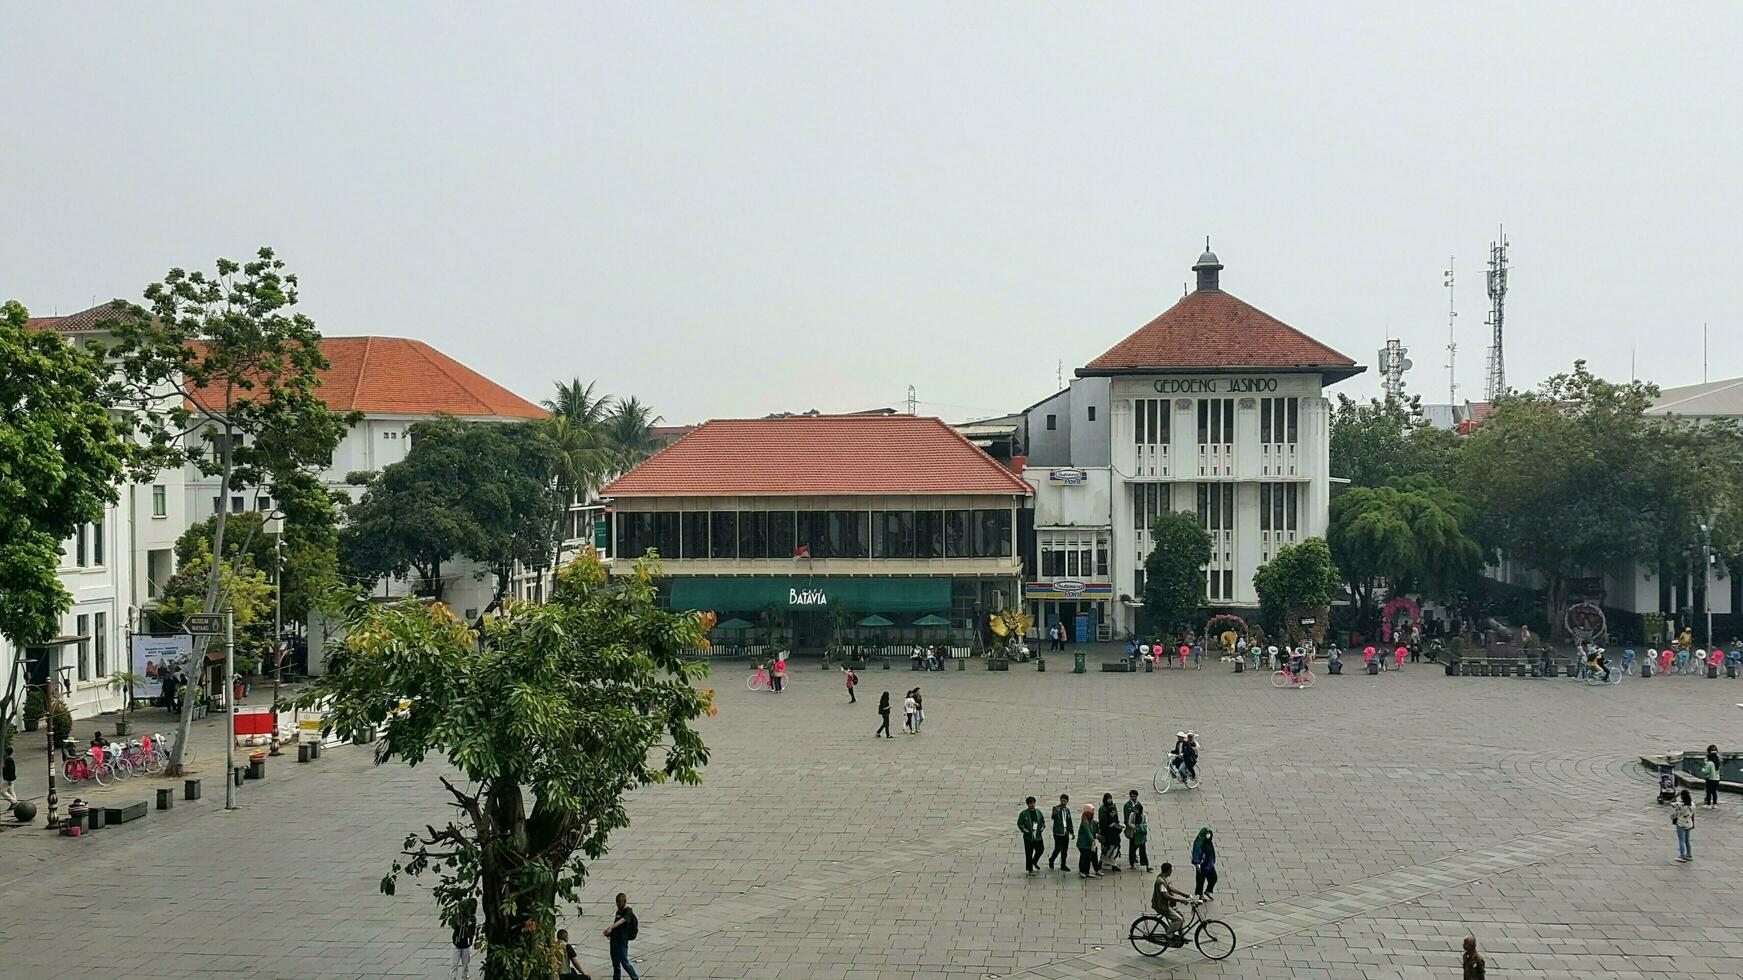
x=1452 y=338
x=911 y=402
x=1497 y=385
x=1393 y=364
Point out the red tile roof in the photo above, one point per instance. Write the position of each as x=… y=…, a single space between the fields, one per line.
x=805 y=455
x=1209 y=328
x=73 y=322
x=397 y=376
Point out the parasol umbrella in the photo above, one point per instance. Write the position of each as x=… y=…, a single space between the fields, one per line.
x=932 y=619
x=733 y=624
x=875 y=620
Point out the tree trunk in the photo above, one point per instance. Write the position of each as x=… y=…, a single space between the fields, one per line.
x=214 y=579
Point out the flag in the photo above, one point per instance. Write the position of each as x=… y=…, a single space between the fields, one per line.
x=803 y=551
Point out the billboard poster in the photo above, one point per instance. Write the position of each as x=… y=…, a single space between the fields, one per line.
x=157 y=657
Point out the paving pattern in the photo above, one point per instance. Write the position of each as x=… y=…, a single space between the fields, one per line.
x=1365 y=826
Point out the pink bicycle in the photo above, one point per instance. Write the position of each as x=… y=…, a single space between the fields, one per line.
x=759 y=681
x=1297 y=680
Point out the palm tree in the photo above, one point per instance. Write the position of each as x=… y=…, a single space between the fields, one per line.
x=580 y=460
x=629 y=431
x=575 y=401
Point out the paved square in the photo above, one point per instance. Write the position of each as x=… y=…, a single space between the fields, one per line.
x=1364 y=827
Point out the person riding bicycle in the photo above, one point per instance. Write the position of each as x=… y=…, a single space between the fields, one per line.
x=1163 y=899
x=1297 y=661
x=1595 y=662
x=1189 y=755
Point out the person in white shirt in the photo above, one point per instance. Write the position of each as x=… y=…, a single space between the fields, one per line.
x=908 y=708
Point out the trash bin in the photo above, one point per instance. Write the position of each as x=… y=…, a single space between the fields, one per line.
x=1149 y=666
x=1374 y=666
x=1041 y=665
x=1646 y=668
x=1077 y=661
x=1712 y=670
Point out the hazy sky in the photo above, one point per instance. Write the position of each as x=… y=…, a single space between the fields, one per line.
x=731 y=209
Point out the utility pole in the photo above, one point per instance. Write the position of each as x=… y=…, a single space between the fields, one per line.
x=230 y=710
x=277 y=630
x=1707 y=574
x=1452 y=338
x=1497 y=281
x=911 y=402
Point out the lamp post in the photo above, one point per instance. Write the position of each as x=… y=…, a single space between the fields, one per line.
x=277 y=632
x=66 y=680
x=1707 y=574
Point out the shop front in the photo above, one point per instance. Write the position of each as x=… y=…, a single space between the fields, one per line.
x=810 y=614
x=1084 y=608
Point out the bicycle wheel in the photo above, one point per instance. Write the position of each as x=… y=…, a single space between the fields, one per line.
x=1214 y=938
x=1280 y=679
x=1615 y=676
x=1191 y=781
x=1307 y=678
x=755 y=683
x=120 y=769
x=1163 y=781
x=1148 y=935
x=71 y=771
x=96 y=772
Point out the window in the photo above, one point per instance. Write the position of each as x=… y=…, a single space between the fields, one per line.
x=666 y=532
x=159 y=500
x=237 y=504
x=83 y=630
x=1216 y=421
x=1138 y=584
x=1052 y=422
x=1052 y=562
x=157 y=565
x=101 y=636
x=1101 y=557
x=723 y=539
x=217 y=504
x=893 y=534
x=1279 y=419
x=753 y=535
x=928 y=534
x=263 y=503
x=957 y=541
x=98 y=538
x=1074 y=554
x=1149 y=501
x=849 y=533
x=780 y=534
x=81 y=539
x=635 y=534
x=1151 y=421
x=992 y=533
x=693 y=534
x=1279 y=506
x=1216 y=506
x=1092 y=413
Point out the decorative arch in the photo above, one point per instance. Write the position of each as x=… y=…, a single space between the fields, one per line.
x=1389 y=615
x=1586 y=620
x=1219 y=624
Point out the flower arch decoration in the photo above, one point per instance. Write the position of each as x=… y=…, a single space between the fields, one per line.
x=1389 y=615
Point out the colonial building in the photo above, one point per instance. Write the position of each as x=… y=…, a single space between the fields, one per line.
x=810 y=524
x=1214 y=408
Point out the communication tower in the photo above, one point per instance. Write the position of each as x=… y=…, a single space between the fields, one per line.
x=1497 y=385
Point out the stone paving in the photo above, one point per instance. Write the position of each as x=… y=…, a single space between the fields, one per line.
x=1365 y=826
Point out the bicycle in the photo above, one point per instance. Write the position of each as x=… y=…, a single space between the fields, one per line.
x=758 y=681
x=1214 y=938
x=1169 y=775
x=1595 y=676
x=1285 y=678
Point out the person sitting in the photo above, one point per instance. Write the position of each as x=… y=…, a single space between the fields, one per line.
x=1595 y=662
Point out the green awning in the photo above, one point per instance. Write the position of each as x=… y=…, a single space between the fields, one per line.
x=860 y=595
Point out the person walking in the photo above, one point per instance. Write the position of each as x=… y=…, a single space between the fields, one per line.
x=621 y=933
x=1710 y=775
x=852 y=681
x=8 y=776
x=465 y=934
x=1682 y=817
x=1473 y=962
x=779 y=676
x=571 y=963
x=1204 y=863
x=884 y=713
x=1061 y=833
x=1031 y=823
x=1137 y=832
x=908 y=708
x=1088 y=865
x=1109 y=818
x=919 y=708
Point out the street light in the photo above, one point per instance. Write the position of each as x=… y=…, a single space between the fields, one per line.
x=66 y=685
x=1707 y=574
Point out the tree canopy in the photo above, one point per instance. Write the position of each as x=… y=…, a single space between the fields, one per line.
x=1412 y=534
x=1174 y=582
x=1299 y=582
x=552 y=714
x=1379 y=441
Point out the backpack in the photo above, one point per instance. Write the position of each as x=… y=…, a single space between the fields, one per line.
x=631 y=927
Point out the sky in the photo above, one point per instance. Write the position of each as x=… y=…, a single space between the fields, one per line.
x=730 y=209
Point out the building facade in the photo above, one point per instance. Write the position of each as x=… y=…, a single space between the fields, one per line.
x=807 y=527
x=1214 y=408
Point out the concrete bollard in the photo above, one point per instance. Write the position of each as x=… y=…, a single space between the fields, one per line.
x=166 y=797
x=191 y=789
x=303 y=754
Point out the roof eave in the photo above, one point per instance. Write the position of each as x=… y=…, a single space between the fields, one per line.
x=1332 y=373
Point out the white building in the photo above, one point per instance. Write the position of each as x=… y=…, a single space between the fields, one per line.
x=1214 y=408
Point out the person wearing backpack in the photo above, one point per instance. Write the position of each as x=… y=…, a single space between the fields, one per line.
x=465 y=933
x=621 y=933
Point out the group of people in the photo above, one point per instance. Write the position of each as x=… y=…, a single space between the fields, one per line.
x=929 y=657
x=913 y=713
x=623 y=930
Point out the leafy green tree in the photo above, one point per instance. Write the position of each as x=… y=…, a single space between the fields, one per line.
x=60 y=460
x=1299 y=582
x=580 y=459
x=221 y=372
x=1380 y=441
x=577 y=403
x=244 y=589
x=1174 y=569
x=552 y=714
x=1412 y=534
x=246 y=542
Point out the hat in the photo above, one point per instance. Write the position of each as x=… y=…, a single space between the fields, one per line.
x=1179 y=734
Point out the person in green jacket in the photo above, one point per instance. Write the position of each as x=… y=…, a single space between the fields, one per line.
x=1138 y=837
x=1061 y=833
x=1031 y=822
x=1710 y=774
x=1086 y=843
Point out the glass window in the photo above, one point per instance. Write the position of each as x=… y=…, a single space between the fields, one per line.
x=635 y=534
x=1265 y=419
x=725 y=534
x=1052 y=422
x=81 y=539
x=780 y=533
x=159 y=500
x=666 y=533
x=848 y=532
x=1073 y=567
x=100 y=636
x=992 y=534
x=928 y=534
x=236 y=504
x=1294 y=419
x=83 y=630
x=1052 y=559
x=1101 y=557
x=693 y=534
x=98 y=537
x=753 y=527
x=893 y=534
x=958 y=542
x=1092 y=413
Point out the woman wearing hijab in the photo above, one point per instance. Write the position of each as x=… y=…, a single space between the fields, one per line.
x=1204 y=861
x=884 y=712
x=1110 y=832
x=1087 y=862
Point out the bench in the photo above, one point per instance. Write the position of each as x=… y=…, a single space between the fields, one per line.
x=124 y=813
x=1117 y=666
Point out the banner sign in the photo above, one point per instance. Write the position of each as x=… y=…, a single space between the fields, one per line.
x=1069 y=477
x=157 y=657
x=1068 y=589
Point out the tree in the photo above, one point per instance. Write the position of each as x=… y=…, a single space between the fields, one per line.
x=629 y=431
x=477 y=490
x=60 y=460
x=1565 y=479
x=1374 y=443
x=573 y=703
x=246 y=594
x=1412 y=534
x=224 y=361
x=579 y=460
x=1299 y=583
x=1174 y=570
x=246 y=542
x=576 y=402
